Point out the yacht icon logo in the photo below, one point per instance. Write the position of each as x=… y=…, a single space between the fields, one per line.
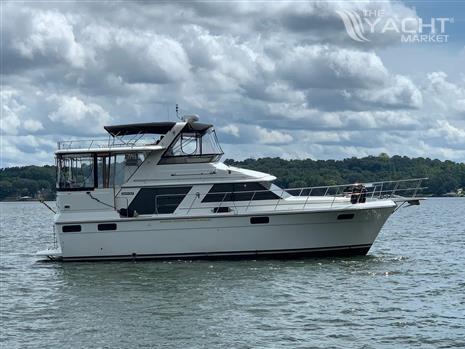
x=353 y=24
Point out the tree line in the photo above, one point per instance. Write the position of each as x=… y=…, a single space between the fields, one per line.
x=444 y=176
x=27 y=181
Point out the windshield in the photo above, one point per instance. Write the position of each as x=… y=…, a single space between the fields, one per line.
x=192 y=147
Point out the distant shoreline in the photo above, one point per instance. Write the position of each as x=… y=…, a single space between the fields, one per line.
x=446 y=178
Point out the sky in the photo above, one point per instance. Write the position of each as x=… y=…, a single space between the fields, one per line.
x=276 y=78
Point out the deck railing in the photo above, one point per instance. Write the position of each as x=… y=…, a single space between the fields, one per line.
x=110 y=142
x=353 y=193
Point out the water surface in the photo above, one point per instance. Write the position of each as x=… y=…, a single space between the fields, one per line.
x=408 y=292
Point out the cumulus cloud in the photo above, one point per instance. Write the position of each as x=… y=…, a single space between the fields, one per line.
x=448 y=96
x=138 y=56
x=71 y=111
x=33 y=125
x=11 y=112
x=230 y=129
x=272 y=136
x=46 y=35
x=281 y=76
x=323 y=66
x=26 y=150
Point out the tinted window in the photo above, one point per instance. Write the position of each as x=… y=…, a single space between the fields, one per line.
x=259 y=220
x=346 y=216
x=238 y=192
x=70 y=228
x=158 y=200
x=107 y=226
x=224 y=191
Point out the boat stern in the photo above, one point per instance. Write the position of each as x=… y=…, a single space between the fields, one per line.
x=52 y=254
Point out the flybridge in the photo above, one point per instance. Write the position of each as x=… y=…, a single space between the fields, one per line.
x=90 y=164
x=135 y=137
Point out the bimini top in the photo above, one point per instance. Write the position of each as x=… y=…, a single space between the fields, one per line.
x=153 y=128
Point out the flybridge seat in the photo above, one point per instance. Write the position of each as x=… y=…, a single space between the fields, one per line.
x=154 y=128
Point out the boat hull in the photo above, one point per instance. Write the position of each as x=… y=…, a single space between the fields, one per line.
x=283 y=235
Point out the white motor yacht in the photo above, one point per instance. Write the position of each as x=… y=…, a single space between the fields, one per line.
x=158 y=190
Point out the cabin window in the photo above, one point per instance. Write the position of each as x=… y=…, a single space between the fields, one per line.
x=71 y=228
x=76 y=172
x=106 y=226
x=344 y=216
x=123 y=167
x=239 y=192
x=259 y=220
x=98 y=170
x=158 y=200
x=193 y=147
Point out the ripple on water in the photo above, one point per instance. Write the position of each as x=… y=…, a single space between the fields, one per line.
x=407 y=292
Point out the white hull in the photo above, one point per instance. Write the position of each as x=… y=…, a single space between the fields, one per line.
x=135 y=197
x=287 y=233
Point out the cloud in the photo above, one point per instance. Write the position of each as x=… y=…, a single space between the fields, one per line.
x=230 y=129
x=33 y=125
x=11 y=111
x=272 y=136
x=449 y=97
x=138 y=56
x=71 y=111
x=323 y=66
x=281 y=78
x=341 y=79
x=27 y=150
x=45 y=35
x=399 y=93
x=444 y=132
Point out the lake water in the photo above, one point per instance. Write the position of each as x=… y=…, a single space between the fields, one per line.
x=408 y=292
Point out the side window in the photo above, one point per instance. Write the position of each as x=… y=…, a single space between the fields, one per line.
x=106 y=226
x=239 y=192
x=219 y=192
x=71 y=228
x=158 y=200
x=245 y=191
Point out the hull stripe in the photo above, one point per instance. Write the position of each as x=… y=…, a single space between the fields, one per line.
x=290 y=253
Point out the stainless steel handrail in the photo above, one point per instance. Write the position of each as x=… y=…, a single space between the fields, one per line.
x=99 y=143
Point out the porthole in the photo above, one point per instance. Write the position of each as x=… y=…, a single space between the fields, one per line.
x=107 y=226
x=71 y=228
x=259 y=220
x=345 y=216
